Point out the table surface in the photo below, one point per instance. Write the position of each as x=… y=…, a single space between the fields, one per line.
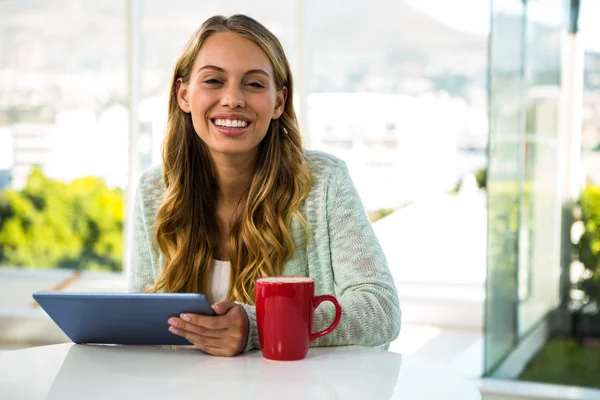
x=69 y=371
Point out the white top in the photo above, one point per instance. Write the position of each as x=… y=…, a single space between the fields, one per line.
x=90 y=372
x=218 y=283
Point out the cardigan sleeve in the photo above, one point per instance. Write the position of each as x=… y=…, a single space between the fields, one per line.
x=364 y=284
x=140 y=275
x=365 y=287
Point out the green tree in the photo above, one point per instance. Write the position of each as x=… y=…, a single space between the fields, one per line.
x=52 y=224
x=588 y=247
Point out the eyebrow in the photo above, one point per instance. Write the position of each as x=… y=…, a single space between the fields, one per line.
x=252 y=71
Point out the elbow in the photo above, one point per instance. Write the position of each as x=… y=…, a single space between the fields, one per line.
x=395 y=325
x=392 y=324
x=388 y=322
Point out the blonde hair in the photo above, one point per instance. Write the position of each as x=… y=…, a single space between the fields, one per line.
x=186 y=229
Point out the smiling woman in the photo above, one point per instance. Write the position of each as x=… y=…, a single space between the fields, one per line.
x=237 y=198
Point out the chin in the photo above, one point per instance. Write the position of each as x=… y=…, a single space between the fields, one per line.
x=234 y=150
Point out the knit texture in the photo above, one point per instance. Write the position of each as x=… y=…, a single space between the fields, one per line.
x=343 y=255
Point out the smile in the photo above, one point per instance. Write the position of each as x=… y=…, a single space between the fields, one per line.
x=231 y=127
x=230 y=123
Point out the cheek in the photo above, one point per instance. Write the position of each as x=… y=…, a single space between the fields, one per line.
x=201 y=102
x=263 y=106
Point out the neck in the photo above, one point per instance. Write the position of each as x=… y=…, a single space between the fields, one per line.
x=234 y=175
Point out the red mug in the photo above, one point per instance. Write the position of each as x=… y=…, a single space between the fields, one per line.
x=284 y=314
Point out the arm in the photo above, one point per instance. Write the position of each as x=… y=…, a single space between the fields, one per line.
x=140 y=274
x=365 y=287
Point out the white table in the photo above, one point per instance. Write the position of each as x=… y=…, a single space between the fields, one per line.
x=68 y=371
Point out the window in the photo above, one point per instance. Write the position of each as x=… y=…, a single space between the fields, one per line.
x=63 y=134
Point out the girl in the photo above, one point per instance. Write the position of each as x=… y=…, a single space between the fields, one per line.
x=237 y=198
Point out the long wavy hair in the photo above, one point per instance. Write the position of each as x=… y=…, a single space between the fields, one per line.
x=186 y=230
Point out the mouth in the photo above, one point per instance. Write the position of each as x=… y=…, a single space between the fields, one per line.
x=231 y=127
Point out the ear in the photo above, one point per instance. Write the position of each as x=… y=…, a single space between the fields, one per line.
x=280 y=102
x=182 y=95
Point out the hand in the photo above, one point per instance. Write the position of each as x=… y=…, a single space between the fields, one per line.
x=222 y=335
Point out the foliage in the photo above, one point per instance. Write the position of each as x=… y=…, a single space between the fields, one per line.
x=504 y=221
x=480 y=177
x=588 y=247
x=50 y=223
x=380 y=213
x=504 y=200
x=564 y=362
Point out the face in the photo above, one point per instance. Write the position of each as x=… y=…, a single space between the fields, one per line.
x=231 y=95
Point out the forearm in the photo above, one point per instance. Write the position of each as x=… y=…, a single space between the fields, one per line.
x=370 y=317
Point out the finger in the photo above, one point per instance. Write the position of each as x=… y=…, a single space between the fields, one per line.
x=223 y=306
x=216 y=351
x=199 y=340
x=180 y=324
x=205 y=321
x=215 y=346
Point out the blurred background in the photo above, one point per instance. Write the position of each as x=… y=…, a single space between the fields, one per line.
x=471 y=129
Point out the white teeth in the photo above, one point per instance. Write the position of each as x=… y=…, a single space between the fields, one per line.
x=229 y=123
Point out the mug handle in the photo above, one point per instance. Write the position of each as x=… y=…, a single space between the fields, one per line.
x=338 y=315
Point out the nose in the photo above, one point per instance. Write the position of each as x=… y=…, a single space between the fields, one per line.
x=232 y=96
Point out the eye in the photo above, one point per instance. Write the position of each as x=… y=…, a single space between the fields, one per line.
x=213 y=81
x=257 y=85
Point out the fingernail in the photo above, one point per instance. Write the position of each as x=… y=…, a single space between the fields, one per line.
x=185 y=317
x=172 y=321
x=174 y=330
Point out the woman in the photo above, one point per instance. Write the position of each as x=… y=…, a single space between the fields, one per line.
x=237 y=199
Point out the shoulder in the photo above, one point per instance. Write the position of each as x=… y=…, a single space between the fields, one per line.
x=324 y=168
x=151 y=187
x=152 y=179
x=329 y=176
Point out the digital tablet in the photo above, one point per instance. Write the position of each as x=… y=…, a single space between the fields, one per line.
x=121 y=318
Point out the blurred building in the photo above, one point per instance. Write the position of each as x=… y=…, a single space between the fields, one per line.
x=5 y=178
x=32 y=145
x=5 y=157
x=398 y=148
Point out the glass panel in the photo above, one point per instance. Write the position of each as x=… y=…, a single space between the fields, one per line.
x=570 y=355
x=504 y=178
x=539 y=264
x=590 y=137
